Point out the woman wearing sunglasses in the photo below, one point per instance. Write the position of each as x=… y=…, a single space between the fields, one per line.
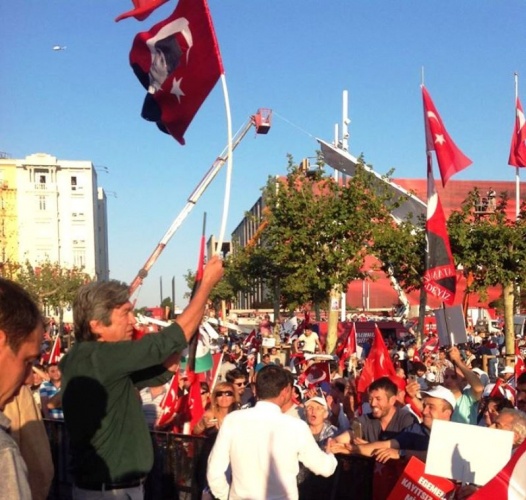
x=224 y=400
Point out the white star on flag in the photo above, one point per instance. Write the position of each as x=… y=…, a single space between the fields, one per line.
x=439 y=139
x=176 y=89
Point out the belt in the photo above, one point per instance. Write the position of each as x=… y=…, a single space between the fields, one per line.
x=132 y=483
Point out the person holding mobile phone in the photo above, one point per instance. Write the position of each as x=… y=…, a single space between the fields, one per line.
x=386 y=419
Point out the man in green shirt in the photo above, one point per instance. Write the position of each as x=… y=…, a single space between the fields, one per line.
x=110 y=443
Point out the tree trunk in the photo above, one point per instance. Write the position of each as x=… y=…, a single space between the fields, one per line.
x=509 y=333
x=334 y=306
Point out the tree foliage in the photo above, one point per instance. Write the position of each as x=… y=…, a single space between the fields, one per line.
x=491 y=249
x=315 y=234
x=50 y=284
x=222 y=291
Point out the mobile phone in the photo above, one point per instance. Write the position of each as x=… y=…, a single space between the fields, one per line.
x=357 y=429
x=411 y=378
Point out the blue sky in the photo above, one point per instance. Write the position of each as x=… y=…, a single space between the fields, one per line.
x=293 y=56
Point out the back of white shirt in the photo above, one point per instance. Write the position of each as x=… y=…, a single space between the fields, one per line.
x=263 y=448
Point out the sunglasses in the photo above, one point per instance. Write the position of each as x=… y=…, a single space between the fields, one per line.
x=241 y=384
x=228 y=394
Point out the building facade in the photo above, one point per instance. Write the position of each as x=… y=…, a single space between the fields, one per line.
x=245 y=234
x=54 y=211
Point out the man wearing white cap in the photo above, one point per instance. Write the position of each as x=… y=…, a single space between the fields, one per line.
x=438 y=405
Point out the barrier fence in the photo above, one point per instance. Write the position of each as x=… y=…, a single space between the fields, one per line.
x=180 y=465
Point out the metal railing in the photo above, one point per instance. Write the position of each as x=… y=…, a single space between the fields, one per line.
x=174 y=473
x=180 y=466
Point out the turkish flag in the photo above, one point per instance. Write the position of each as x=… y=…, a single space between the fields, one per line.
x=142 y=9
x=510 y=482
x=54 y=355
x=178 y=62
x=378 y=363
x=170 y=403
x=349 y=346
x=315 y=374
x=450 y=159
x=518 y=145
x=440 y=277
x=250 y=340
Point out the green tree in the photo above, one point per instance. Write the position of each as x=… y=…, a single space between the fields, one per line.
x=315 y=236
x=492 y=249
x=52 y=285
x=223 y=291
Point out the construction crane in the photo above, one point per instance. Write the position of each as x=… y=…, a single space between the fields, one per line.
x=261 y=122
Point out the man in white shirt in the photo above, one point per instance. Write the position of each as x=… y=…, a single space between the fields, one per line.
x=263 y=446
x=310 y=340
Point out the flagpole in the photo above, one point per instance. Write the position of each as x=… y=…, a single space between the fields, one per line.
x=517 y=177
x=228 y=181
x=192 y=345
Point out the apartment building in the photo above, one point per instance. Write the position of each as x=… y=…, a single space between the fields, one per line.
x=53 y=210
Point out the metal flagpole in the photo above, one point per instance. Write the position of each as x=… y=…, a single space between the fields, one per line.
x=517 y=177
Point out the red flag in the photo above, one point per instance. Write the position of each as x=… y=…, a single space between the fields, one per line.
x=142 y=9
x=378 y=363
x=195 y=402
x=440 y=278
x=170 y=403
x=518 y=145
x=520 y=366
x=510 y=482
x=496 y=391
x=349 y=347
x=178 y=62
x=315 y=374
x=450 y=159
x=250 y=340
x=429 y=346
x=192 y=344
x=54 y=355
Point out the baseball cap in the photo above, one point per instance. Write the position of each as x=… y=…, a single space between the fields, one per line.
x=508 y=369
x=317 y=399
x=440 y=392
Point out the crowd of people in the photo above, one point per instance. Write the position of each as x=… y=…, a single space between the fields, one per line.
x=274 y=416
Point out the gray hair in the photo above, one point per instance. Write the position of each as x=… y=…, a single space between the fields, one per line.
x=96 y=301
x=518 y=422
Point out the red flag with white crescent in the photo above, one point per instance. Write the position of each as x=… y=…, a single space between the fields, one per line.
x=178 y=63
x=378 y=363
x=349 y=347
x=517 y=156
x=315 y=374
x=54 y=355
x=449 y=157
x=170 y=402
x=440 y=279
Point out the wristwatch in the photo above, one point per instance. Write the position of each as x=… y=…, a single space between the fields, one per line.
x=402 y=453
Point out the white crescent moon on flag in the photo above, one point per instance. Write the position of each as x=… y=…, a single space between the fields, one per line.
x=520 y=117
x=313 y=381
x=430 y=114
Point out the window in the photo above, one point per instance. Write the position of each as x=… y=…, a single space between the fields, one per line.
x=42 y=203
x=79 y=257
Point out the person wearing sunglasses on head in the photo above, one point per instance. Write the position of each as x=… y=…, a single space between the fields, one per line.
x=224 y=400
